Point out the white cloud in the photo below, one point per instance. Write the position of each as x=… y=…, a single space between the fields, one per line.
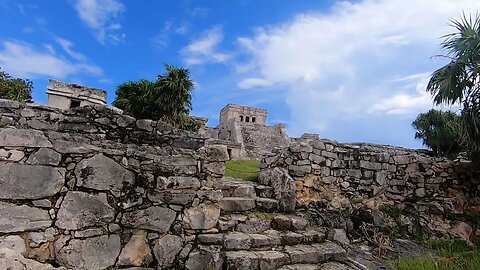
x=204 y=49
x=339 y=65
x=23 y=60
x=253 y=83
x=67 y=47
x=101 y=16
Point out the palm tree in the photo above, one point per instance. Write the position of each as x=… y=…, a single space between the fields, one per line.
x=167 y=99
x=175 y=94
x=135 y=99
x=439 y=131
x=458 y=81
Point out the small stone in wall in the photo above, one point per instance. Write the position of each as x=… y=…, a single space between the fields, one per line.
x=45 y=156
x=91 y=253
x=79 y=210
x=102 y=173
x=136 y=252
x=21 y=218
x=203 y=216
x=166 y=249
x=154 y=218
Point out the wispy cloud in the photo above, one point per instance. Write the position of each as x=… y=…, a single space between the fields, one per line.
x=24 y=60
x=67 y=46
x=204 y=49
x=339 y=65
x=102 y=17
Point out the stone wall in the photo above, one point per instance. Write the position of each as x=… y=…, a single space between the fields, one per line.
x=437 y=194
x=93 y=189
x=262 y=140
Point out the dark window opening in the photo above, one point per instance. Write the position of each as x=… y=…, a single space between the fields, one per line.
x=74 y=103
x=247 y=119
x=229 y=151
x=253 y=119
x=241 y=118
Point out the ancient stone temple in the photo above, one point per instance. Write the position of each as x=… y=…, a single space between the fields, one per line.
x=245 y=132
x=66 y=95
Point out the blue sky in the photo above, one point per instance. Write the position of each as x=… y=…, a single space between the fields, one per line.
x=352 y=71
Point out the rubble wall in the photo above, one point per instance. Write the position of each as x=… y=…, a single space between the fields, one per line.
x=90 y=188
x=443 y=196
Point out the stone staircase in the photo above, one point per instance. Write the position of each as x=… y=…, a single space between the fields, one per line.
x=241 y=196
x=252 y=235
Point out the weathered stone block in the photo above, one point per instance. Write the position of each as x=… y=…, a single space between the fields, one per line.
x=91 y=253
x=102 y=173
x=203 y=216
x=45 y=156
x=15 y=218
x=23 y=138
x=166 y=249
x=79 y=210
x=137 y=251
x=19 y=181
x=154 y=218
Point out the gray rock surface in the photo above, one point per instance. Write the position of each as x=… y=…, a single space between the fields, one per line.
x=15 y=218
x=166 y=249
x=79 y=210
x=205 y=258
x=91 y=253
x=23 y=138
x=19 y=181
x=137 y=251
x=45 y=156
x=102 y=173
x=154 y=218
x=203 y=216
x=283 y=187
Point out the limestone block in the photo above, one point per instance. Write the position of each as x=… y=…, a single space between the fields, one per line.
x=136 y=252
x=45 y=156
x=15 y=218
x=19 y=181
x=272 y=259
x=11 y=155
x=203 y=216
x=205 y=258
x=79 y=210
x=11 y=259
x=154 y=218
x=13 y=242
x=283 y=187
x=23 y=138
x=102 y=173
x=91 y=253
x=166 y=249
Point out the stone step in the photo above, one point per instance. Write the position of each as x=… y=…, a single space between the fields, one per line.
x=323 y=266
x=258 y=221
x=240 y=188
x=261 y=241
x=237 y=204
x=289 y=256
x=242 y=204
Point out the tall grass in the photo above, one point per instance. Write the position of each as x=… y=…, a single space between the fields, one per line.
x=443 y=255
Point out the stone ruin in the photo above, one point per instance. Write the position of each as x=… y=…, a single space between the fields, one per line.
x=245 y=132
x=67 y=95
x=91 y=188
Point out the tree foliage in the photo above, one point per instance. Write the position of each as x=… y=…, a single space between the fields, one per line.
x=439 y=131
x=167 y=99
x=15 y=88
x=458 y=81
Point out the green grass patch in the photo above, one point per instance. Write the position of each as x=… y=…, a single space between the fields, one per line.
x=443 y=255
x=260 y=214
x=242 y=169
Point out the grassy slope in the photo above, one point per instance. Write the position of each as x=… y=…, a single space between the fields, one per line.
x=242 y=169
x=444 y=255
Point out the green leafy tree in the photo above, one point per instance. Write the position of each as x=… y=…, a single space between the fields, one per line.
x=167 y=99
x=458 y=81
x=15 y=88
x=439 y=131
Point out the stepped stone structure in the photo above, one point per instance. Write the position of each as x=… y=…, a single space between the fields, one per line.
x=423 y=194
x=66 y=95
x=245 y=132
